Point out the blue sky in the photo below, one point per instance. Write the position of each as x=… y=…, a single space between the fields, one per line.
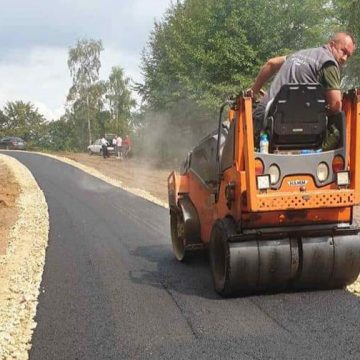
x=35 y=37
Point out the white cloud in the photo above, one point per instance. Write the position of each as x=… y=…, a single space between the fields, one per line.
x=49 y=114
x=41 y=77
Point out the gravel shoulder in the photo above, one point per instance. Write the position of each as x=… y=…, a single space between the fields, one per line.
x=22 y=265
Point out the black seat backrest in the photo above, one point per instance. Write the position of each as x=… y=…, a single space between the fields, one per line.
x=297 y=117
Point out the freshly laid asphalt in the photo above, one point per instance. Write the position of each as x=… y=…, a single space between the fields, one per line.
x=111 y=289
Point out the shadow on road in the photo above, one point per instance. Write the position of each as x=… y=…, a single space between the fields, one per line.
x=191 y=277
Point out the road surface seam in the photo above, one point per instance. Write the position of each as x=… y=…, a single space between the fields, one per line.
x=189 y=323
x=271 y=317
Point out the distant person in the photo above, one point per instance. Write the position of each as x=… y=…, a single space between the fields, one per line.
x=119 y=147
x=104 y=145
x=114 y=144
x=126 y=146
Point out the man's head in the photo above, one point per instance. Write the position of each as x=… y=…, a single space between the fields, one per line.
x=342 y=46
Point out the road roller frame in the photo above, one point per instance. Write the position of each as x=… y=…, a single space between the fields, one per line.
x=269 y=228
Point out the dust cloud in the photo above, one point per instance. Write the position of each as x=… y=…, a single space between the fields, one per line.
x=166 y=137
x=91 y=186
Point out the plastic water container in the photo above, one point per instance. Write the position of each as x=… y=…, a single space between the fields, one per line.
x=309 y=151
x=306 y=151
x=264 y=143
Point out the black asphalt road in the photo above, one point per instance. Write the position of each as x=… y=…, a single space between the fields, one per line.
x=111 y=289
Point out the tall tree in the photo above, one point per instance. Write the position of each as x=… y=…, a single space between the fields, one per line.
x=4 y=123
x=84 y=65
x=120 y=99
x=347 y=13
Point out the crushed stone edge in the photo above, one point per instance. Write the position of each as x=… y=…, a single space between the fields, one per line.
x=25 y=260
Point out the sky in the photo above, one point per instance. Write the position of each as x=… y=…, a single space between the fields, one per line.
x=35 y=37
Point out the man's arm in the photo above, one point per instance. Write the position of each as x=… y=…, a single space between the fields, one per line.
x=266 y=72
x=334 y=101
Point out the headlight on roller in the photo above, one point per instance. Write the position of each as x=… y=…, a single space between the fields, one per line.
x=274 y=172
x=322 y=172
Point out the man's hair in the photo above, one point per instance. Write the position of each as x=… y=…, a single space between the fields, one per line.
x=336 y=36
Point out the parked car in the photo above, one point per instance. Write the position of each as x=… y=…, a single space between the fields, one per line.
x=96 y=147
x=12 y=143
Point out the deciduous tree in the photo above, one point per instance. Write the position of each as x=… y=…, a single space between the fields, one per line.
x=347 y=13
x=205 y=50
x=84 y=65
x=23 y=120
x=120 y=99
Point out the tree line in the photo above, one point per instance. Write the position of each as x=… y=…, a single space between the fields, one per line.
x=204 y=50
x=94 y=107
x=197 y=55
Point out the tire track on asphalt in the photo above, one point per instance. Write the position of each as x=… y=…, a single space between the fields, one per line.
x=141 y=221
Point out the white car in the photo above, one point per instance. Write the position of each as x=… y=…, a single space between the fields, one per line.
x=96 y=148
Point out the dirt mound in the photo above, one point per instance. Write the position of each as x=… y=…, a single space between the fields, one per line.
x=9 y=192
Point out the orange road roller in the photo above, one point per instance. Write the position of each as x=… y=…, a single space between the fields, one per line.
x=275 y=212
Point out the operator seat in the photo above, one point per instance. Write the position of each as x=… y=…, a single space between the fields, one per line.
x=296 y=118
